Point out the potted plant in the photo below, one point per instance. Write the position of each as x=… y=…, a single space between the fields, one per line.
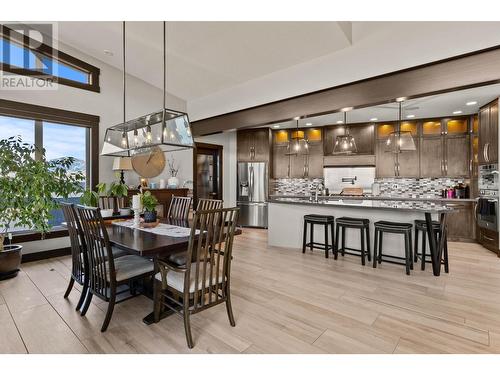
x=149 y=203
x=27 y=189
x=119 y=190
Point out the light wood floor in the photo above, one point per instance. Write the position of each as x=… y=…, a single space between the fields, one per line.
x=284 y=302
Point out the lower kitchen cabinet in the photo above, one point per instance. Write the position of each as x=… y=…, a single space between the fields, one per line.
x=461 y=222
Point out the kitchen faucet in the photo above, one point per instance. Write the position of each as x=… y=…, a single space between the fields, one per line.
x=316 y=191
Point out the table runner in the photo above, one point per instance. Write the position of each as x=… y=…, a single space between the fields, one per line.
x=161 y=229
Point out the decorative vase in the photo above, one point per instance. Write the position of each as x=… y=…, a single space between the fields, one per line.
x=149 y=216
x=173 y=182
x=10 y=260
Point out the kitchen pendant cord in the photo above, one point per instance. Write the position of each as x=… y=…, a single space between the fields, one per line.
x=164 y=64
x=124 y=76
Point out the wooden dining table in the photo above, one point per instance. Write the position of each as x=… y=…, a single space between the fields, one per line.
x=136 y=241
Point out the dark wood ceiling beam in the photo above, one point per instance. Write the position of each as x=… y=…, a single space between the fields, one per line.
x=464 y=71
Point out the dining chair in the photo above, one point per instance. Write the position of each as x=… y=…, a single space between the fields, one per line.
x=209 y=204
x=79 y=259
x=205 y=281
x=179 y=208
x=105 y=272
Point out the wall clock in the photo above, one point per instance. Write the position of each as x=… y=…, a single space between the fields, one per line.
x=149 y=163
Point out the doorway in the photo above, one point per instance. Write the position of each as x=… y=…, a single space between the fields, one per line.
x=207 y=160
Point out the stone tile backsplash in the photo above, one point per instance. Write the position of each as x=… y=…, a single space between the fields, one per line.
x=295 y=186
x=416 y=187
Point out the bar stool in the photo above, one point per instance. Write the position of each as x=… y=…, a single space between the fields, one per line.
x=354 y=223
x=324 y=220
x=405 y=229
x=421 y=225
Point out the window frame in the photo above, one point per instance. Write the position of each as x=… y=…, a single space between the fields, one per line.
x=39 y=114
x=10 y=35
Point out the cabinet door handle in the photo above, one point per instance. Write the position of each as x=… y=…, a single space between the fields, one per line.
x=488 y=151
x=470 y=166
x=485 y=149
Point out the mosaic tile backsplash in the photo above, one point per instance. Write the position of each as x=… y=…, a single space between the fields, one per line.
x=295 y=186
x=416 y=187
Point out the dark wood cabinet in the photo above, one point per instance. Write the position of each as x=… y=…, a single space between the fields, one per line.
x=408 y=163
x=431 y=157
x=254 y=145
x=461 y=222
x=330 y=135
x=364 y=136
x=281 y=162
x=457 y=161
x=488 y=133
x=385 y=162
x=314 y=168
x=298 y=166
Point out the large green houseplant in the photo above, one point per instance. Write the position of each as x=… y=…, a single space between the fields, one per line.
x=28 y=185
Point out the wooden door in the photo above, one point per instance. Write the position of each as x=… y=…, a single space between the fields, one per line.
x=314 y=167
x=281 y=162
x=493 y=134
x=457 y=156
x=484 y=133
x=261 y=143
x=431 y=157
x=385 y=162
x=408 y=162
x=244 y=146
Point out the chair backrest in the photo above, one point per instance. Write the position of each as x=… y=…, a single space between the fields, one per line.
x=209 y=204
x=107 y=202
x=101 y=262
x=210 y=248
x=179 y=208
x=79 y=259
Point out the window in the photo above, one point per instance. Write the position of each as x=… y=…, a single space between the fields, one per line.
x=61 y=133
x=16 y=56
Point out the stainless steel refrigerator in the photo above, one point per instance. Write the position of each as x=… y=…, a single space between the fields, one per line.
x=252 y=194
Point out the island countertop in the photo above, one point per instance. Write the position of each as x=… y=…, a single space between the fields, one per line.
x=379 y=198
x=422 y=206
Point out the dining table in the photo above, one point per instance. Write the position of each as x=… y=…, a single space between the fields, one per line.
x=145 y=243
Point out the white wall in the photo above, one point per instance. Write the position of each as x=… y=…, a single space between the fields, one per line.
x=142 y=98
x=378 y=48
x=228 y=142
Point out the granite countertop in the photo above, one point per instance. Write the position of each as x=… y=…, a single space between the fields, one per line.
x=384 y=198
x=390 y=204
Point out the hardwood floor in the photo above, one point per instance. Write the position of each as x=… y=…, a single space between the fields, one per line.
x=284 y=302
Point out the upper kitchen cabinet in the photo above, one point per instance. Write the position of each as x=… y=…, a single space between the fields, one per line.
x=314 y=168
x=331 y=133
x=384 y=130
x=432 y=128
x=431 y=159
x=488 y=133
x=254 y=145
x=363 y=134
x=386 y=161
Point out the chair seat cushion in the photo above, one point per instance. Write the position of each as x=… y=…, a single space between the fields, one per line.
x=352 y=221
x=423 y=223
x=319 y=218
x=178 y=259
x=175 y=279
x=117 y=253
x=392 y=224
x=130 y=266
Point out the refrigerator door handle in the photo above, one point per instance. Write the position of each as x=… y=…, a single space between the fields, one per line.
x=251 y=183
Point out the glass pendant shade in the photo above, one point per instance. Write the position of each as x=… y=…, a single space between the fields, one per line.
x=298 y=144
x=345 y=144
x=400 y=141
x=168 y=129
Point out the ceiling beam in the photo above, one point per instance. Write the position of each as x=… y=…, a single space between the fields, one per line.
x=474 y=69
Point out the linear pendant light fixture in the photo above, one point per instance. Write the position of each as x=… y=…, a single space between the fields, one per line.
x=345 y=144
x=167 y=129
x=400 y=140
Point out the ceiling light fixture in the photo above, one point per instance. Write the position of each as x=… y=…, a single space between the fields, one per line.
x=308 y=123
x=345 y=144
x=401 y=99
x=340 y=122
x=374 y=119
x=457 y=112
x=471 y=103
x=162 y=131
x=276 y=126
x=346 y=109
x=399 y=140
x=410 y=116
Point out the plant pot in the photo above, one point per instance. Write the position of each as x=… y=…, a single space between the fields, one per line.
x=107 y=213
x=10 y=260
x=149 y=216
x=125 y=211
x=173 y=182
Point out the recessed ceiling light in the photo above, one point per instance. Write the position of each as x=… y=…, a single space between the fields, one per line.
x=410 y=116
x=108 y=52
x=276 y=126
x=297 y=118
x=374 y=119
x=308 y=123
x=401 y=99
x=340 y=122
x=346 y=109
x=457 y=112
x=471 y=103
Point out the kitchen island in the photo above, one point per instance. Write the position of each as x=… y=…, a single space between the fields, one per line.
x=285 y=220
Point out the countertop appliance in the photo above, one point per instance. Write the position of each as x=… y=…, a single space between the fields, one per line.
x=252 y=194
x=487 y=205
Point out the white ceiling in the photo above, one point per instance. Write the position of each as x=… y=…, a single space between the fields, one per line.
x=206 y=57
x=426 y=107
